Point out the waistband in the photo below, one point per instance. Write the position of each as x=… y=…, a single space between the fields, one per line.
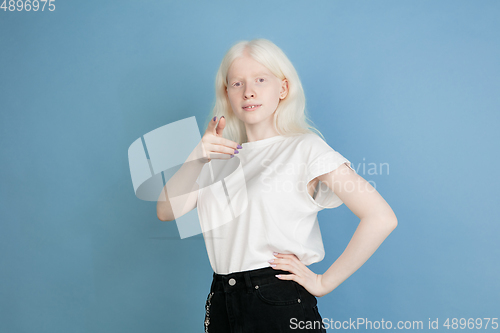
x=246 y=279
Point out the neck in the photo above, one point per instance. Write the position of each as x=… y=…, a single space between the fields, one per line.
x=262 y=130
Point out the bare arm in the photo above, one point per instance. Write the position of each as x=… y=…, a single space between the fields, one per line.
x=180 y=194
x=377 y=221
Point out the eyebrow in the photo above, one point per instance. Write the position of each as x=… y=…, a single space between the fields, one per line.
x=256 y=74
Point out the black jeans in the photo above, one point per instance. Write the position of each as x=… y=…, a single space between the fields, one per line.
x=257 y=301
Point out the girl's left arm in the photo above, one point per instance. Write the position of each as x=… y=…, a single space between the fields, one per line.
x=377 y=221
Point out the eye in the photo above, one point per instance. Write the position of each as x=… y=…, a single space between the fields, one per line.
x=261 y=79
x=236 y=84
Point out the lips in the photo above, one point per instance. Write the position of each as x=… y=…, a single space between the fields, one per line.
x=252 y=107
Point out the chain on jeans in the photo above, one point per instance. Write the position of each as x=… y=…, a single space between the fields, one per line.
x=207 y=311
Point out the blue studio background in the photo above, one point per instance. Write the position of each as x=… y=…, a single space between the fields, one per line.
x=414 y=84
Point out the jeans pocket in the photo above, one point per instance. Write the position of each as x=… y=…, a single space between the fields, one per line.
x=279 y=293
x=308 y=299
x=207 y=311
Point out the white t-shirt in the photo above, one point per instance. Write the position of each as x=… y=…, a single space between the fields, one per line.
x=257 y=203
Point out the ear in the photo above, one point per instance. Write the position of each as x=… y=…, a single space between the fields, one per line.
x=284 y=89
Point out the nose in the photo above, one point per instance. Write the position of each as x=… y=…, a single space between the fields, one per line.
x=249 y=93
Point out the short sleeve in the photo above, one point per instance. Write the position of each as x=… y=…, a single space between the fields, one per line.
x=322 y=159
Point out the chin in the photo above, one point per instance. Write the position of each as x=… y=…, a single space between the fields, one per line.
x=253 y=119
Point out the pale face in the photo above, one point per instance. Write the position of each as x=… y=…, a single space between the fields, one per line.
x=250 y=83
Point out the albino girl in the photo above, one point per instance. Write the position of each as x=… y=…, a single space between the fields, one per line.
x=258 y=201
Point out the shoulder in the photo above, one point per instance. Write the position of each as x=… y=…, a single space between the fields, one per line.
x=306 y=138
x=312 y=141
x=308 y=145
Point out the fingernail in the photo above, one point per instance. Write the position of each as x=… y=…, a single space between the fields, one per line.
x=221 y=117
x=275 y=253
x=214 y=118
x=239 y=147
x=273 y=265
x=272 y=260
x=278 y=275
x=232 y=156
x=236 y=152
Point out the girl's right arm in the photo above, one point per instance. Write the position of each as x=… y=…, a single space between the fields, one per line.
x=180 y=194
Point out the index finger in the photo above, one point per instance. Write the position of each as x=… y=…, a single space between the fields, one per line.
x=226 y=142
